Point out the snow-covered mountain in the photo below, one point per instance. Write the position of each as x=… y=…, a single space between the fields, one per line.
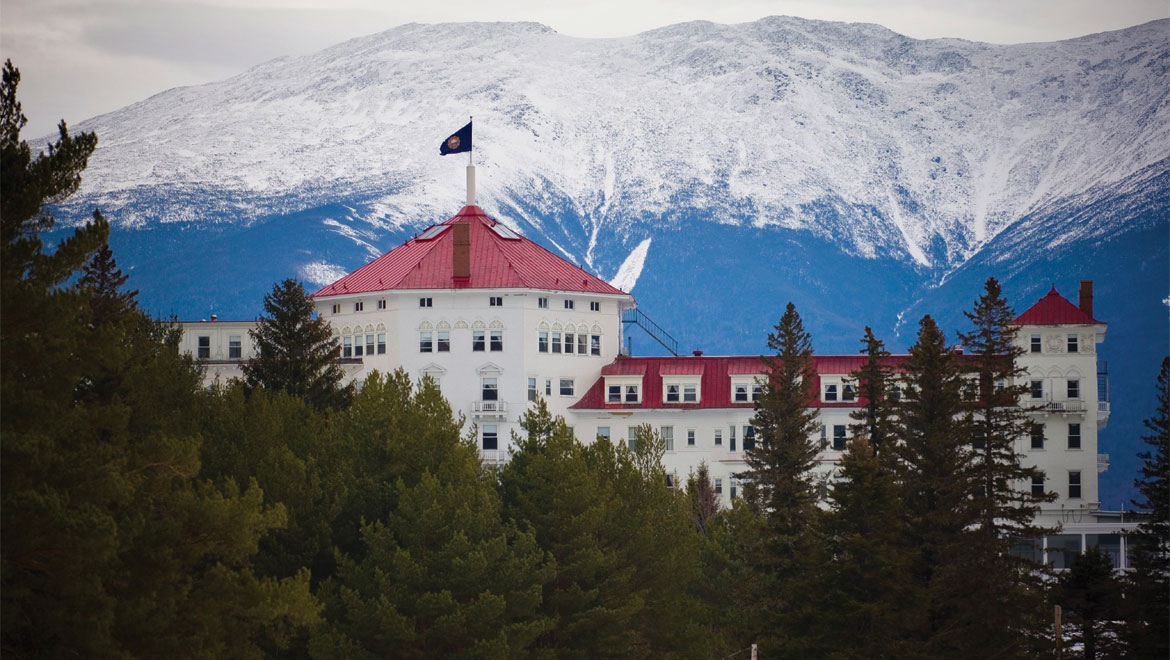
x=868 y=176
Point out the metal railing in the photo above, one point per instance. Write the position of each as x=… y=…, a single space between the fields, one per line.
x=495 y=456
x=638 y=318
x=489 y=406
x=1064 y=406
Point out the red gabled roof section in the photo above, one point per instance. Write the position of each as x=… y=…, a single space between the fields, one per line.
x=1055 y=309
x=497 y=262
x=715 y=383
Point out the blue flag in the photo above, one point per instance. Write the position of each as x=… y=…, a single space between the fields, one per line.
x=459 y=142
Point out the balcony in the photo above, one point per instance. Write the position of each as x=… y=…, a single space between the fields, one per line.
x=1102 y=463
x=489 y=409
x=1102 y=414
x=1069 y=407
x=494 y=456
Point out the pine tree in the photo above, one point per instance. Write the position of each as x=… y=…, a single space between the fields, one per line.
x=1004 y=586
x=104 y=282
x=1090 y=595
x=295 y=352
x=1148 y=633
x=780 y=484
x=701 y=496
x=936 y=478
x=876 y=388
x=865 y=577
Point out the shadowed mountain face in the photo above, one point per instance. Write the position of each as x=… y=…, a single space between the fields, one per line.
x=868 y=177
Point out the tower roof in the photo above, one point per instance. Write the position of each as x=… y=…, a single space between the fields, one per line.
x=499 y=259
x=1055 y=309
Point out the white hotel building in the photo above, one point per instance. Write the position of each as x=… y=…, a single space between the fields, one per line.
x=496 y=320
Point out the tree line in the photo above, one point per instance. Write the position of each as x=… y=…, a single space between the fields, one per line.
x=289 y=516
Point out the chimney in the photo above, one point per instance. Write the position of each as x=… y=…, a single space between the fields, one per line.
x=1086 y=297
x=461 y=250
x=697 y=353
x=214 y=318
x=471 y=185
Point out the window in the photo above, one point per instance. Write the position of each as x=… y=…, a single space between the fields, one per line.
x=234 y=347
x=1036 y=343
x=1037 y=387
x=477 y=340
x=1038 y=486
x=603 y=432
x=979 y=438
x=382 y=304
x=425 y=344
x=1074 y=485
x=594 y=306
x=718 y=437
x=581 y=339
x=556 y=342
x=491 y=437
x=615 y=394
x=369 y=344
x=497 y=340
x=757 y=391
x=839 y=437
x=1074 y=436
x=690 y=437
x=741 y=394
x=749 y=438
x=830 y=392
x=734 y=483
x=381 y=343
x=672 y=393
x=631 y=394
x=1072 y=343
x=496 y=301
x=542 y=303
x=347 y=347
x=336 y=309
x=204 y=352
x=690 y=394
x=718 y=486
x=1074 y=389
x=532 y=393
x=670 y=481
x=357 y=306
x=569 y=343
x=548 y=387
x=424 y=302
x=568 y=304
x=668 y=437
x=490 y=389
x=595 y=344
x=632 y=438
x=1037 y=432
x=566 y=387
x=357 y=346
x=848 y=393
x=731 y=440
x=444 y=343
x=542 y=341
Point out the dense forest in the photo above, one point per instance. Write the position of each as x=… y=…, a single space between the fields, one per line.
x=287 y=515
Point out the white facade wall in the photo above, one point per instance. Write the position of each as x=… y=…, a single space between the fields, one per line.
x=211 y=342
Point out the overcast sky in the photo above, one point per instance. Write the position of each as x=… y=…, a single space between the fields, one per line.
x=80 y=58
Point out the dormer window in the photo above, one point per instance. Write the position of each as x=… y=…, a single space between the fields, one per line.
x=672 y=393
x=741 y=393
x=614 y=394
x=848 y=393
x=632 y=394
x=680 y=388
x=830 y=392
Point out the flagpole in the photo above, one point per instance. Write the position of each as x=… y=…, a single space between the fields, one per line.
x=470 y=160
x=470 y=170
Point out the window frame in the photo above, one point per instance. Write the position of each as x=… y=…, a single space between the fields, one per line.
x=841 y=439
x=594 y=306
x=1038 y=486
x=235 y=347
x=1073 y=388
x=1073 y=343
x=1075 y=485
x=426 y=341
x=1071 y=435
x=1036 y=435
x=426 y=302
x=542 y=341
x=494 y=435
x=542 y=302
x=495 y=301
x=489 y=388
x=443 y=341
x=203 y=347
x=568 y=304
x=1036 y=388
x=359 y=306
x=595 y=345
x=478 y=341
x=495 y=341
x=533 y=392
x=572 y=387
x=1036 y=344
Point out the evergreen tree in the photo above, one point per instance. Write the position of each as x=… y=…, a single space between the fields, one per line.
x=1090 y=596
x=1004 y=587
x=701 y=497
x=104 y=282
x=780 y=484
x=866 y=567
x=110 y=547
x=937 y=480
x=876 y=387
x=440 y=573
x=295 y=352
x=1148 y=633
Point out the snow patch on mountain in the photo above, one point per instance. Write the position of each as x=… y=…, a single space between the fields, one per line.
x=321 y=273
x=631 y=269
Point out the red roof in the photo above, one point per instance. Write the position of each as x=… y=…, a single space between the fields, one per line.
x=500 y=259
x=1054 y=309
x=715 y=384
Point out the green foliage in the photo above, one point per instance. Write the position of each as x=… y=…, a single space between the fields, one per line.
x=1148 y=633
x=437 y=572
x=1090 y=596
x=622 y=545
x=876 y=388
x=295 y=352
x=110 y=545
